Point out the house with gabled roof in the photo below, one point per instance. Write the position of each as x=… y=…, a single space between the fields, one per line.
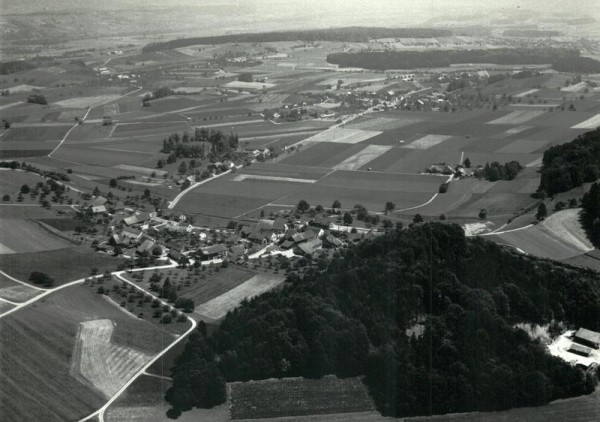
x=146 y=246
x=213 y=252
x=134 y=235
x=309 y=247
x=98 y=209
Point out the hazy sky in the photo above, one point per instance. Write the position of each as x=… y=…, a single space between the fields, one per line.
x=280 y=14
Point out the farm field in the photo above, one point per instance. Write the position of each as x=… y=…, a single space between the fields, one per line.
x=297 y=397
x=560 y=236
x=200 y=285
x=218 y=307
x=578 y=409
x=144 y=401
x=23 y=236
x=32 y=134
x=43 y=346
x=63 y=265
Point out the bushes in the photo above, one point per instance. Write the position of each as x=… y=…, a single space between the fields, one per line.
x=38 y=277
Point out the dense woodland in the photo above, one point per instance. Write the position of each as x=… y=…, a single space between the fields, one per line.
x=362 y=314
x=564 y=60
x=569 y=165
x=16 y=66
x=220 y=146
x=348 y=34
x=590 y=216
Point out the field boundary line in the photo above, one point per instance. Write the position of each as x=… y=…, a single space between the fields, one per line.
x=68 y=132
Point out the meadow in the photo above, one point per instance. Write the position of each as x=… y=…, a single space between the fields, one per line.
x=38 y=363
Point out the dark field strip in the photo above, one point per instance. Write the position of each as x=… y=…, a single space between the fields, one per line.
x=24 y=153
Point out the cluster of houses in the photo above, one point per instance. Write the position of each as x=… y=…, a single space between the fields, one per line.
x=146 y=234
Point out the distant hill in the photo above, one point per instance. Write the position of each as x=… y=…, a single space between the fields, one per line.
x=564 y=60
x=351 y=34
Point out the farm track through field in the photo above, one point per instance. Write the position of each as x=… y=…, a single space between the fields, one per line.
x=99 y=414
x=83 y=119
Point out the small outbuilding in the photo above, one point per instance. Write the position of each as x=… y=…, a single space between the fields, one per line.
x=587 y=338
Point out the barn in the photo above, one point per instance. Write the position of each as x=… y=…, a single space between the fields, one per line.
x=587 y=338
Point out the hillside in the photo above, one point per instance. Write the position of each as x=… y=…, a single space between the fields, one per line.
x=425 y=313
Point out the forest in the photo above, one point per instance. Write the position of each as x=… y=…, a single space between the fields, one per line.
x=186 y=146
x=560 y=59
x=567 y=166
x=15 y=66
x=426 y=314
x=348 y=34
x=590 y=215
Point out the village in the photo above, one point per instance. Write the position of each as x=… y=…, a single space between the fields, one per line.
x=146 y=239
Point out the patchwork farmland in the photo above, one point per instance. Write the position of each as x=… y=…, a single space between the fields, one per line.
x=54 y=327
x=209 y=173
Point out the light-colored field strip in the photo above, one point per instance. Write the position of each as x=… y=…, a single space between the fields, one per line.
x=5 y=106
x=93 y=101
x=342 y=136
x=242 y=177
x=248 y=85
x=105 y=365
x=526 y=93
x=517 y=117
x=565 y=225
x=218 y=307
x=518 y=129
x=574 y=88
x=369 y=153
x=427 y=141
x=591 y=123
x=5 y=249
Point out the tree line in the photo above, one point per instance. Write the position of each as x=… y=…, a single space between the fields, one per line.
x=561 y=59
x=569 y=165
x=424 y=313
x=347 y=34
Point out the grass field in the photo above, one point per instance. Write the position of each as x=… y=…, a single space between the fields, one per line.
x=30 y=134
x=23 y=236
x=218 y=307
x=559 y=237
x=14 y=291
x=97 y=360
x=298 y=396
x=144 y=401
x=38 y=349
x=64 y=265
x=361 y=158
x=342 y=136
x=202 y=286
